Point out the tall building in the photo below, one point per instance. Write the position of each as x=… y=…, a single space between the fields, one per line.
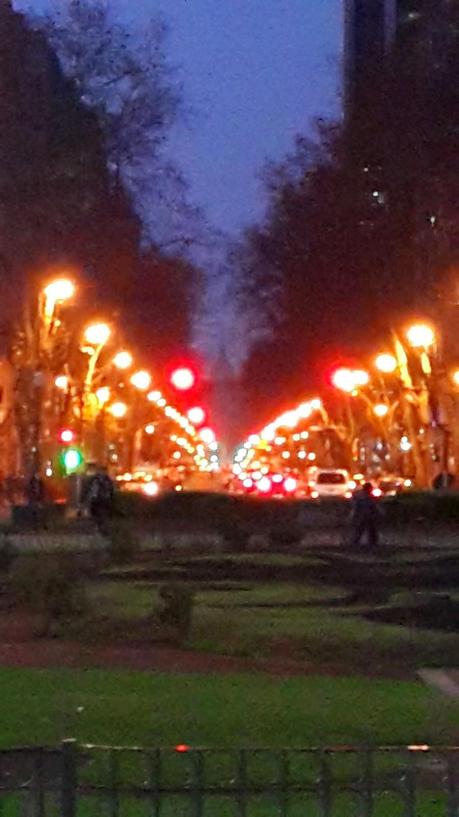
x=371 y=28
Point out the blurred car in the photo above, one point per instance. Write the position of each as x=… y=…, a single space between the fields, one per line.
x=393 y=486
x=276 y=485
x=331 y=483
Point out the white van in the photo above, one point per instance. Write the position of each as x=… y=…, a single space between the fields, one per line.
x=331 y=482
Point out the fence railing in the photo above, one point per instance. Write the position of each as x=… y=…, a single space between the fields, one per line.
x=75 y=780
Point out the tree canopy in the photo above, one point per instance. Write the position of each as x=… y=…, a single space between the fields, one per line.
x=361 y=227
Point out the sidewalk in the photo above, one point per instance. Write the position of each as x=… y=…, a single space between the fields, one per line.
x=444 y=680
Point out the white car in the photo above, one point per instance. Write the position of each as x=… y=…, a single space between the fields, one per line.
x=331 y=482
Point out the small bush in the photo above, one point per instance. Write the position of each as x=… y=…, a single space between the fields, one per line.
x=50 y=586
x=176 y=611
x=124 y=545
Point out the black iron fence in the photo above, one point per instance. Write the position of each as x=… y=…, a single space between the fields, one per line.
x=93 y=781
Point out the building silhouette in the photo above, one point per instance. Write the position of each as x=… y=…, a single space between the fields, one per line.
x=371 y=29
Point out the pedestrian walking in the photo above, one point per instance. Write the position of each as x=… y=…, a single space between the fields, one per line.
x=99 y=497
x=35 y=495
x=365 y=517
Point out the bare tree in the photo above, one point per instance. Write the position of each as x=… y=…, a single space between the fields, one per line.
x=123 y=75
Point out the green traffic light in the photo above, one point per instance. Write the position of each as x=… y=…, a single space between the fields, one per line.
x=72 y=460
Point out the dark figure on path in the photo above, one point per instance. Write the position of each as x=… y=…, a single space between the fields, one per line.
x=35 y=495
x=35 y=490
x=100 y=497
x=365 y=516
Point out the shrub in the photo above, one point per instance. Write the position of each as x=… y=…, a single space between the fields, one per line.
x=124 y=544
x=175 y=613
x=50 y=586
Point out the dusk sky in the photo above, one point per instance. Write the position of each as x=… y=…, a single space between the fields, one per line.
x=255 y=72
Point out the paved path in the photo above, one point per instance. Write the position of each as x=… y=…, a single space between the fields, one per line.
x=445 y=680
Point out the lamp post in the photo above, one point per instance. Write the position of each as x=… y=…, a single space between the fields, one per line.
x=141 y=382
x=53 y=295
x=96 y=336
x=423 y=339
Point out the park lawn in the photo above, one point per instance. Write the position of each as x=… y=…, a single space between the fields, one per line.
x=321 y=635
x=134 y=599
x=250 y=710
x=270 y=594
x=256 y=621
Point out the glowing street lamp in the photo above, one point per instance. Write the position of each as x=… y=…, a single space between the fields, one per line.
x=455 y=377
x=420 y=336
x=207 y=435
x=123 y=360
x=56 y=292
x=141 y=380
x=381 y=410
x=61 y=382
x=361 y=377
x=288 y=420
x=344 y=380
x=305 y=410
x=103 y=395
x=97 y=334
x=197 y=415
x=386 y=363
x=118 y=410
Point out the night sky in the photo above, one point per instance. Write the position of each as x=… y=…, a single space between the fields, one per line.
x=255 y=72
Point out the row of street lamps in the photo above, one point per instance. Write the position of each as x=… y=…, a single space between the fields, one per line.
x=402 y=400
x=97 y=397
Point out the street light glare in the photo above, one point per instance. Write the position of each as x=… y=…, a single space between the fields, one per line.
x=344 y=380
x=123 y=360
x=361 y=377
x=381 y=410
x=207 y=435
x=103 y=395
x=420 y=335
x=118 y=410
x=386 y=363
x=62 y=289
x=97 y=334
x=183 y=379
x=141 y=380
x=455 y=377
x=197 y=415
x=61 y=382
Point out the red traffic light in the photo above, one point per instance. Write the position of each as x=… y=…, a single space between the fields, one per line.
x=66 y=436
x=183 y=378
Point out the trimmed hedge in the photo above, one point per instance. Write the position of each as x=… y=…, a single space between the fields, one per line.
x=239 y=517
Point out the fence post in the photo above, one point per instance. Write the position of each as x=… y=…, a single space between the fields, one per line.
x=69 y=778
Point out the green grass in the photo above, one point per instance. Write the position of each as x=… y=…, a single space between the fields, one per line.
x=227 y=712
x=321 y=636
x=257 y=621
x=122 y=600
x=270 y=594
x=125 y=708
